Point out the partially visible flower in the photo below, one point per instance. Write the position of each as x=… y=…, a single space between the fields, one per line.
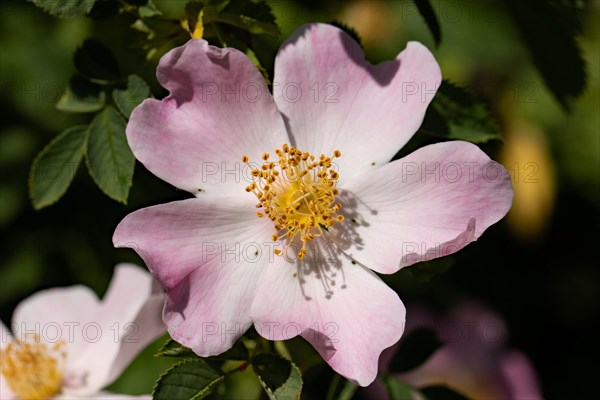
x=331 y=208
x=66 y=343
x=474 y=360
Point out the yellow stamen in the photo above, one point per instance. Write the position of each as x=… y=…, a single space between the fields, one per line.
x=299 y=197
x=33 y=370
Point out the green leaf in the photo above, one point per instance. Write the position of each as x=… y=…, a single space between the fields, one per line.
x=441 y=393
x=126 y=100
x=340 y=389
x=426 y=10
x=65 y=8
x=455 y=114
x=96 y=62
x=397 y=389
x=190 y=379
x=255 y=17
x=54 y=168
x=415 y=348
x=81 y=96
x=549 y=28
x=149 y=10
x=349 y=30
x=238 y=352
x=173 y=349
x=250 y=24
x=280 y=378
x=109 y=159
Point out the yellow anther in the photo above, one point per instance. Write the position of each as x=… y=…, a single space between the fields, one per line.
x=245 y=159
x=297 y=193
x=33 y=370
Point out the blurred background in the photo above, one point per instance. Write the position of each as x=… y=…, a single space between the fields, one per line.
x=535 y=268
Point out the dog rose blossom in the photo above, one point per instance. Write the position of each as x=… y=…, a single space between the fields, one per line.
x=475 y=359
x=295 y=201
x=65 y=343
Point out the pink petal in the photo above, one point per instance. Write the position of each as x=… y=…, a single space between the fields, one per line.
x=429 y=204
x=474 y=360
x=218 y=110
x=474 y=373
x=344 y=310
x=123 y=333
x=202 y=251
x=148 y=326
x=333 y=98
x=57 y=314
x=520 y=376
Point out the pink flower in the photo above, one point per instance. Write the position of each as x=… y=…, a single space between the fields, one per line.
x=65 y=343
x=474 y=361
x=332 y=220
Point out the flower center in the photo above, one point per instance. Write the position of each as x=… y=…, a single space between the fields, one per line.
x=297 y=193
x=33 y=370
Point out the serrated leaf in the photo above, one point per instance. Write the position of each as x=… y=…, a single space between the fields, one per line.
x=173 y=349
x=95 y=61
x=255 y=17
x=280 y=378
x=426 y=11
x=397 y=389
x=127 y=99
x=81 y=96
x=415 y=348
x=349 y=30
x=109 y=158
x=190 y=379
x=65 y=8
x=549 y=28
x=441 y=393
x=54 y=168
x=455 y=114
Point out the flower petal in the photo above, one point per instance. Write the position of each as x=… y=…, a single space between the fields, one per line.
x=520 y=376
x=218 y=110
x=147 y=327
x=203 y=252
x=57 y=314
x=124 y=333
x=332 y=98
x=474 y=360
x=429 y=204
x=344 y=310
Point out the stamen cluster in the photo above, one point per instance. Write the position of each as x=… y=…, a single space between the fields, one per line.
x=33 y=370
x=297 y=193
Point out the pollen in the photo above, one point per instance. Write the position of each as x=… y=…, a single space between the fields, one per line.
x=33 y=370
x=298 y=194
